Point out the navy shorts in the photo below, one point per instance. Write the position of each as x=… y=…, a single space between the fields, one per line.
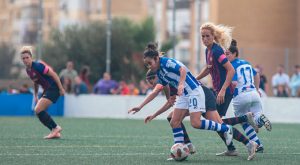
x=52 y=94
x=210 y=99
x=222 y=108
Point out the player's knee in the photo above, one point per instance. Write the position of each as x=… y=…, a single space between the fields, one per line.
x=175 y=123
x=37 y=110
x=196 y=123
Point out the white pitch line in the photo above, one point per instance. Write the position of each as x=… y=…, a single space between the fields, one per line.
x=91 y=146
x=126 y=154
x=123 y=154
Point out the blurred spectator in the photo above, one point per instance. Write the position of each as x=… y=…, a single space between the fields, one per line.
x=25 y=89
x=133 y=90
x=70 y=73
x=80 y=87
x=106 y=85
x=280 y=82
x=3 y=91
x=263 y=84
x=144 y=88
x=84 y=76
x=12 y=90
x=282 y=91
x=67 y=84
x=295 y=82
x=123 y=88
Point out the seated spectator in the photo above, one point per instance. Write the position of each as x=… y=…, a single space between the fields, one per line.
x=123 y=88
x=70 y=73
x=3 y=91
x=105 y=85
x=133 y=90
x=24 y=89
x=280 y=82
x=80 y=86
x=84 y=76
x=67 y=84
x=263 y=84
x=144 y=88
x=295 y=82
x=281 y=92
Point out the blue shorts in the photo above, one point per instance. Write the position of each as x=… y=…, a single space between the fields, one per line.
x=52 y=94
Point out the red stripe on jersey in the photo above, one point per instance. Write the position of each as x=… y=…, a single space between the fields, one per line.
x=46 y=69
x=221 y=58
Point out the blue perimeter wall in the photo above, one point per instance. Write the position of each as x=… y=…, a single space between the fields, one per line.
x=21 y=105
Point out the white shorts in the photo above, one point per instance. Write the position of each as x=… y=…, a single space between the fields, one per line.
x=247 y=102
x=194 y=102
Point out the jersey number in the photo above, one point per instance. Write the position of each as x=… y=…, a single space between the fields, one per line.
x=193 y=102
x=246 y=69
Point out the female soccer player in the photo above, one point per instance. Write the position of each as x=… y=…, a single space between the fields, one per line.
x=171 y=93
x=210 y=105
x=216 y=38
x=42 y=75
x=190 y=95
x=246 y=93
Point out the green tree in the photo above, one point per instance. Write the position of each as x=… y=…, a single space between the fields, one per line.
x=7 y=54
x=86 y=45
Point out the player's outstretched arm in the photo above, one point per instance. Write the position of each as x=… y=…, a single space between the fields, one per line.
x=147 y=100
x=163 y=109
x=204 y=72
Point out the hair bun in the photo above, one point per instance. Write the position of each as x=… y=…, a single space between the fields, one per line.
x=152 y=46
x=233 y=42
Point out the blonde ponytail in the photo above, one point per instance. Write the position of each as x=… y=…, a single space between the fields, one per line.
x=222 y=34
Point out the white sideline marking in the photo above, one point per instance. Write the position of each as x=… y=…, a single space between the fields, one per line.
x=91 y=146
x=122 y=154
x=126 y=154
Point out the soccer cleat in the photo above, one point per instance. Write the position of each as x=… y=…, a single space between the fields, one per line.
x=228 y=135
x=55 y=133
x=192 y=148
x=228 y=153
x=266 y=122
x=251 y=149
x=259 y=149
x=251 y=121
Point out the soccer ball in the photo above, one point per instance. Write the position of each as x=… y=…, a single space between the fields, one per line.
x=179 y=152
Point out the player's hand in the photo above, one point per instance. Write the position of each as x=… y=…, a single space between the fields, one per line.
x=221 y=97
x=172 y=100
x=148 y=119
x=62 y=91
x=134 y=110
x=180 y=89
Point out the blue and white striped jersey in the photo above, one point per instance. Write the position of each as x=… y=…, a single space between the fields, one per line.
x=169 y=74
x=244 y=75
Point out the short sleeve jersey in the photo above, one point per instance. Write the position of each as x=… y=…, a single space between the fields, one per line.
x=244 y=75
x=38 y=74
x=169 y=74
x=215 y=59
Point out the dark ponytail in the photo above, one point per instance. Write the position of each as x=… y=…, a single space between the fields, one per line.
x=233 y=47
x=151 y=51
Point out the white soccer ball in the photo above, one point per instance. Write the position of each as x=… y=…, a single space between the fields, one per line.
x=179 y=151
